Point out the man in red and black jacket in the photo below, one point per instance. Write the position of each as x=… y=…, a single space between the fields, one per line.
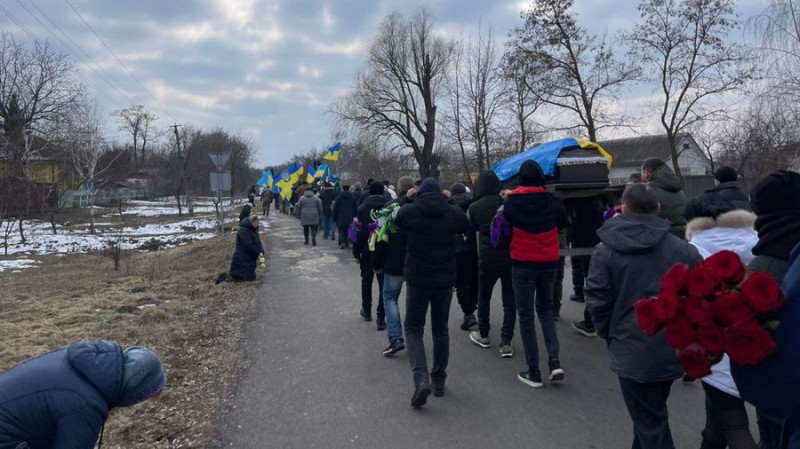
x=535 y=216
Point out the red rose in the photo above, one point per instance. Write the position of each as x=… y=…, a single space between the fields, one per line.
x=712 y=337
x=730 y=308
x=646 y=316
x=701 y=282
x=694 y=360
x=680 y=333
x=763 y=292
x=697 y=310
x=674 y=280
x=748 y=343
x=726 y=266
x=667 y=306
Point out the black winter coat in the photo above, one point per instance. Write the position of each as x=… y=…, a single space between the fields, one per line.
x=730 y=192
x=344 y=208
x=391 y=256
x=60 y=399
x=636 y=251
x=469 y=241
x=245 y=257
x=429 y=224
x=481 y=214
x=365 y=217
x=245 y=212
x=327 y=196
x=586 y=217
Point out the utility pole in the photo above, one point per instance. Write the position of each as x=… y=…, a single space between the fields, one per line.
x=177 y=137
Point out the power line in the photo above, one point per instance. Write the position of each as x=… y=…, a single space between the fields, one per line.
x=121 y=88
x=118 y=58
x=39 y=41
x=116 y=90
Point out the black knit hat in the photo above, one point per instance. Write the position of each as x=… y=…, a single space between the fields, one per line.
x=726 y=174
x=376 y=188
x=457 y=188
x=531 y=174
x=429 y=185
x=777 y=192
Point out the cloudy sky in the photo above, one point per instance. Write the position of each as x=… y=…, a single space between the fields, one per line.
x=268 y=69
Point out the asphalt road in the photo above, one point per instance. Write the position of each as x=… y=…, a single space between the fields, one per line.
x=315 y=376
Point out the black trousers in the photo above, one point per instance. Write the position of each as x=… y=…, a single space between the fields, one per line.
x=727 y=424
x=313 y=229
x=486 y=280
x=366 y=287
x=467 y=281
x=580 y=272
x=344 y=239
x=647 y=406
x=417 y=301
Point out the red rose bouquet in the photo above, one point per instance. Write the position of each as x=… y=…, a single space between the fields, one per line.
x=713 y=308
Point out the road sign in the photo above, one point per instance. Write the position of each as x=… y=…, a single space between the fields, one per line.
x=220 y=181
x=219 y=159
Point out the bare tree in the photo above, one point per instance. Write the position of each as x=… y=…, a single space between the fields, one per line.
x=88 y=148
x=139 y=123
x=476 y=91
x=395 y=93
x=37 y=89
x=777 y=34
x=572 y=70
x=682 y=44
x=522 y=101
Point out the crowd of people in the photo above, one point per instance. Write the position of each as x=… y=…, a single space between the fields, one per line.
x=443 y=241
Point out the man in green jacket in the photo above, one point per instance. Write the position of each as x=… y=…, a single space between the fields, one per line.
x=669 y=192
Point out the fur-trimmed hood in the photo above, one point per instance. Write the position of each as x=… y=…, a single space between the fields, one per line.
x=737 y=219
x=731 y=231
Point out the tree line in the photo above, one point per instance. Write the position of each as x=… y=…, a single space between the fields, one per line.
x=426 y=102
x=48 y=115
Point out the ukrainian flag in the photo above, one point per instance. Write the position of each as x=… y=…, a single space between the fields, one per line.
x=288 y=178
x=333 y=152
x=309 y=176
x=322 y=173
x=266 y=180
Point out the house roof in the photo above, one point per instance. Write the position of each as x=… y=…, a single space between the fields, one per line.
x=634 y=150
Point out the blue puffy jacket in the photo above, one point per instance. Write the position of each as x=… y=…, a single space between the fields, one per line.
x=773 y=385
x=61 y=399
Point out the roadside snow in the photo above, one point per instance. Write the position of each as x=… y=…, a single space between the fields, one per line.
x=167 y=206
x=17 y=264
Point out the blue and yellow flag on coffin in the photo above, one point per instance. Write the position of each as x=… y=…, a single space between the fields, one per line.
x=333 y=152
x=288 y=178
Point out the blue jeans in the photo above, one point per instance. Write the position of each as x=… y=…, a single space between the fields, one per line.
x=534 y=286
x=328 y=226
x=417 y=301
x=391 y=293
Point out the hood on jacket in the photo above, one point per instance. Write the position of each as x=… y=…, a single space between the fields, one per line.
x=100 y=362
x=374 y=201
x=487 y=184
x=346 y=194
x=462 y=200
x=665 y=178
x=736 y=219
x=633 y=233
x=308 y=194
x=246 y=223
x=531 y=174
x=432 y=204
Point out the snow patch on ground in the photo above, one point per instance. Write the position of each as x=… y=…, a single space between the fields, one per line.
x=17 y=264
x=167 y=206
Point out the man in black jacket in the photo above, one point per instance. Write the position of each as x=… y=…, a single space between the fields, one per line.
x=363 y=255
x=535 y=216
x=493 y=264
x=726 y=186
x=327 y=196
x=430 y=272
x=388 y=259
x=637 y=249
x=344 y=210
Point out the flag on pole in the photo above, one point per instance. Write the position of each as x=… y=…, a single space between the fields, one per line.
x=322 y=173
x=309 y=176
x=333 y=152
x=287 y=179
x=266 y=180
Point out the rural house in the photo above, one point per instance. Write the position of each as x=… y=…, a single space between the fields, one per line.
x=629 y=154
